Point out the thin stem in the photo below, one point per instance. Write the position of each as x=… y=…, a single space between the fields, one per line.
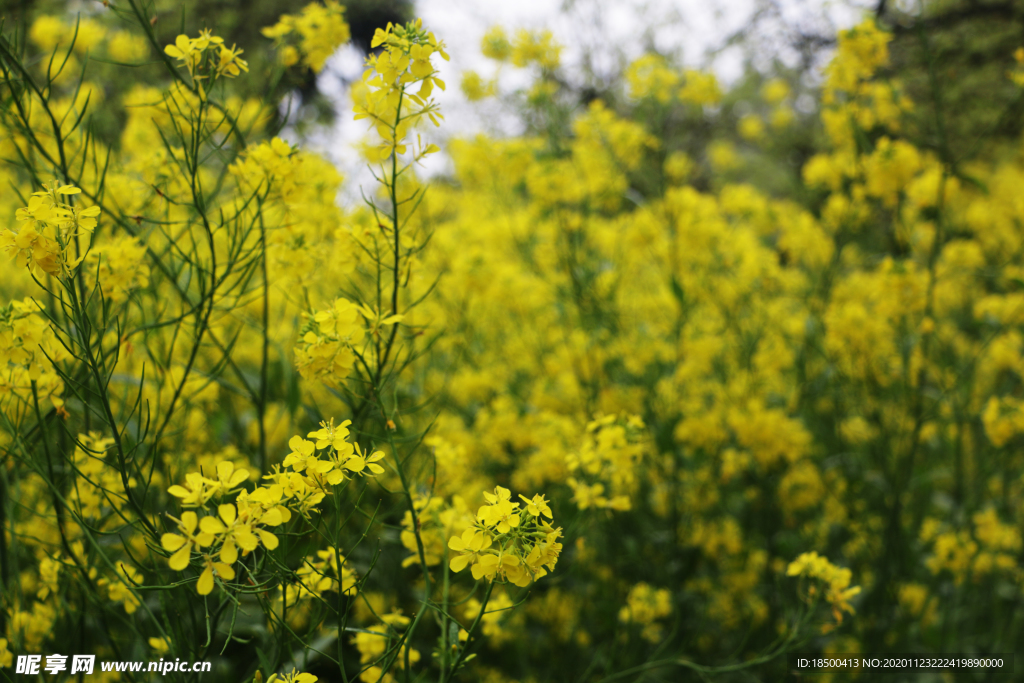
x=469 y=638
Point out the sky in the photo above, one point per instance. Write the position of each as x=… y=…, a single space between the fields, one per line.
x=609 y=32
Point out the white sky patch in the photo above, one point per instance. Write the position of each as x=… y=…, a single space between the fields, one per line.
x=600 y=36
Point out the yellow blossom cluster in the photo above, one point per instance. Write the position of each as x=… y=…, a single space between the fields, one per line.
x=835 y=582
x=645 y=605
x=385 y=96
x=50 y=231
x=373 y=644
x=506 y=542
x=121 y=267
x=651 y=76
x=610 y=456
x=241 y=525
x=311 y=36
x=206 y=58
x=330 y=342
x=28 y=350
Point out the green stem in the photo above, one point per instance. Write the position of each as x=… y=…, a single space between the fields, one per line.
x=469 y=638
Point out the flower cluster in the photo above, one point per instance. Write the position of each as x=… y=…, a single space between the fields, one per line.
x=316 y=577
x=795 y=338
x=507 y=542
x=645 y=605
x=218 y=537
x=206 y=58
x=311 y=36
x=650 y=76
x=834 y=581
x=341 y=458
x=28 y=349
x=327 y=350
x=608 y=458
x=386 y=97
x=221 y=536
x=121 y=267
x=49 y=231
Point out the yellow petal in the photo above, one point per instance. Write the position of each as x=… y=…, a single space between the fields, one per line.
x=227 y=513
x=247 y=540
x=224 y=571
x=212 y=525
x=189 y=520
x=459 y=562
x=269 y=540
x=229 y=553
x=205 y=585
x=179 y=560
x=271 y=517
x=172 y=542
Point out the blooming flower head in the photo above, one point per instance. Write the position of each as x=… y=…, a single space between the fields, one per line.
x=181 y=544
x=502 y=513
x=506 y=543
x=386 y=96
x=48 y=228
x=312 y=35
x=293 y=677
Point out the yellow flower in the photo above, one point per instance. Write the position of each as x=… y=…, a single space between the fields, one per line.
x=650 y=76
x=183 y=49
x=490 y=566
x=223 y=527
x=49 y=226
x=775 y=90
x=192 y=53
x=161 y=646
x=469 y=544
x=318 y=30
x=303 y=457
x=358 y=462
x=127 y=47
x=47 y=32
x=220 y=569
x=6 y=656
x=329 y=436
x=293 y=677
x=501 y=513
x=751 y=127
x=837 y=581
x=229 y=63
x=524 y=546
x=196 y=491
x=537 y=506
x=385 y=95
x=495 y=44
x=181 y=544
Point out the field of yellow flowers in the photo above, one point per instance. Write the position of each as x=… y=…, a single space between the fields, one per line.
x=566 y=415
